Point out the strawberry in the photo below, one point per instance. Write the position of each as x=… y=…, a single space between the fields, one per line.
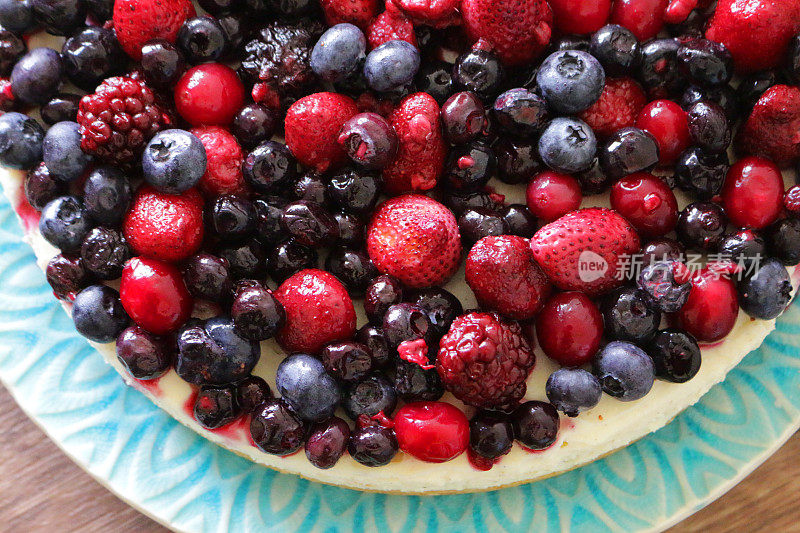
x=415 y=239
x=773 y=128
x=358 y=12
x=503 y=275
x=139 y=21
x=434 y=13
x=756 y=32
x=224 y=170
x=645 y=18
x=581 y=250
x=390 y=25
x=312 y=128
x=517 y=30
x=422 y=149
x=618 y=106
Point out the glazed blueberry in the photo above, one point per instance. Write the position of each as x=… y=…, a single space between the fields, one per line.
x=17 y=16
x=202 y=39
x=520 y=112
x=162 y=63
x=143 y=354
x=65 y=223
x=247 y=259
x=206 y=276
x=441 y=306
x=251 y=393
x=339 y=53
x=370 y=396
x=232 y=217
x=67 y=276
x=701 y=225
x=311 y=187
x=290 y=257
x=21 y=139
x=535 y=425
x=373 y=338
x=351 y=230
x=676 y=355
x=570 y=81
x=309 y=223
x=517 y=160
x=479 y=71
x=269 y=166
x=107 y=195
x=783 y=240
x=470 y=166
x=347 y=361
x=98 y=314
x=436 y=79
x=174 y=161
x=268 y=211
x=572 y=390
x=59 y=17
x=62 y=153
x=701 y=172
x=667 y=294
x=463 y=117
x=706 y=62
x=518 y=220
x=373 y=445
x=353 y=268
x=369 y=140
x=765 y=294
x=356 y=191
x=327 y=442
x=617 y=49
x=391 y=66
x=382 y=292
x=276 y=429
x=659 y=69
x=568 y=145
x=256 y=313
x=491 y=434
x=627 y=151
x=404 y=322
x=475 y=224
x=708 y=126
x=662 y=249
x=571 y=42
x=745 y=247
x=594 y=180
x=61 y=107
x=40 y=187
x=415 y=384
x=212 y=352
x=724 y=96
x=216 y=406
x=459 y=202
x=254 y=124
x=625 y=371
x=752 y=87
x=12 y=48
x=92 y=55
x=692 y=26
x=629 y=315
x=104 y=252
x=36 y=77
x=307 y=388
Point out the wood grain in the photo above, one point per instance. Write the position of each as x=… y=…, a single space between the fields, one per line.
x=41 y=490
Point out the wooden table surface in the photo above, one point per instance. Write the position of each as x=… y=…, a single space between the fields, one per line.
x=41 y=490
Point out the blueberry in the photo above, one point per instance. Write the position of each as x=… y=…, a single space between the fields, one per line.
x=104 y=252
x=373 y=445
x=269 y=166
x=746 y=247
x=339 y=53
x=708 y=126
x=415 y=384
x=351 y=230
x=21 y=139
x=594 y=179
x=766 y=293
x=232 y=217
x=309 y=223
x=356 y=191
x=17 y=16
x=628 y=151
x=311 y=187
x=59 y=17
x=162 y=63
x=470 y=166
x=247 y=259
x=144 y=355
x=571 y=42
x=347 y=361
x=251 y=393
x=327 y=442
x=436 y=79
x=256 y=313
x=676 y=355
x=475 y=224
x=307 y=388
x=353 y=268
x=519 y=220
x=701 y=225
x=657 y=280
x=102 y=10
x=238 y=27
x=67 y=276
x=268 y=218
x=535 y=425
x=63 y=106
x=517 y=160
x=572 y=390
x=706 y=62
x=383 y=292
x=662 y=249
x=479 y=71
x=520 y=112
x=701 y=172
x=290 y=257
x=625 y=371
x=659 y=70
x=214 y=353
x=617 y=49
x=36 y=77
x=40 y=187
x=370 y=396
x=12 y=47
x=458 y=202
x=98 y=314
x=392 y=65
x=629 y=315
x=463 y=117
x=783 y=240
x=65 y=223
x=568 y=145
x=206 y=276
x=276 y=429
x=723 y=95
x=107 y=195
x=404 y=322
x=254 y=124
x=570 y=81
x=92 y=55
x=441 y=306
x=202 y=39
x=491 y=434
x=369 y=140
x=62 y=153
x=174 y=161
x=216 y=406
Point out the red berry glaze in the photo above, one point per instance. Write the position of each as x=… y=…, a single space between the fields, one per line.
x=569 y=328
x=209 y=95
x=618 y=106
x=753 y=193
x=668 y=123
x=712 y=308
x=318 y=312
x=580 y=16
x=139 y=21
x=644 y=18
x=791 y=200
x=551 y=195
x=647 y=202
x=431 y=431
x=224 y=168
x=154 y=295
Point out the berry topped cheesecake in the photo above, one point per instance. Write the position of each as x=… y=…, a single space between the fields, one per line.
x=404 y=246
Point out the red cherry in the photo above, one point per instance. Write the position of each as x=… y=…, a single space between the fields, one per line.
x=580 y=16
x=431 y=431
x=667 y=121
x=647 y=202
x=154 y=295
x=753 y=192
x=569 y=328
x=791 y=200
x=551 y=195
x=644 y=18
x=711 y=310
x=209 y=95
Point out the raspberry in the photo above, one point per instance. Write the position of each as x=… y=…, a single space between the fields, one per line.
x=484 y=361
x=434 y=13
x=224 y=155
x=358 y=12
x=388 y=26
x=118 y=119
x=619 y=105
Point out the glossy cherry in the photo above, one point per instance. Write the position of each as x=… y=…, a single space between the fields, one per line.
x=711 y=310
x=791 y=200
x=644 y=18
x=154 y=295
x=551 y=195
x=647 y=202
x=668 y=123
x=753 y=192
x=580 y=16
x=569 y=328
x=432 y=431
x=209 y=95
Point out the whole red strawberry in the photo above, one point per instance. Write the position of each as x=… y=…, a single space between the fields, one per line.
x=484 y=361
x=756 y=32
x=773 y=128
x=165 y=226
x=224 y=169
x=389 y=26
x=421 y=150
x=415 y=239
x=503 y=275
x=139 y=21
x=517 y=30
x=312 y=128
x=358 y=12
x=318 y=311
x=434 y=13
x=618 y=106
x=584 y=250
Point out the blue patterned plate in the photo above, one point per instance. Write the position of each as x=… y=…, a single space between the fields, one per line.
x=180 y=479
